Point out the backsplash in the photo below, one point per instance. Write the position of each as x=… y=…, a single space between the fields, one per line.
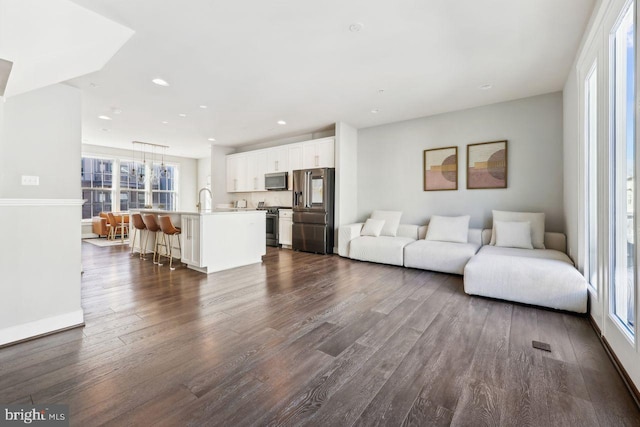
x=271 y=198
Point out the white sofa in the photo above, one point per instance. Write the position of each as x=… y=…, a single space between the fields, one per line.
x=544 y=277
x=408 y=248
x=445 y=257
x=381 y=249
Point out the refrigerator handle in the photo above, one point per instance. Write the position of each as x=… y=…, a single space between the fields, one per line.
x=307 y=189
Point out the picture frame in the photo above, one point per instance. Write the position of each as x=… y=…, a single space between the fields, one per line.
x=487 y=165
x=440 y=169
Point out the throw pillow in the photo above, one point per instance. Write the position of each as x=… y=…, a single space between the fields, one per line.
x=448 y=228
x=372 y=227
x=513 y=234
x=391 y=219
x=536 y=220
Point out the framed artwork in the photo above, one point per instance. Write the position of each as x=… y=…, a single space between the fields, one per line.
x=441 y=169
x=487 y=165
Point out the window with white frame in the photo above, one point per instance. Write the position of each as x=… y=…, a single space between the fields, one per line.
x=622 y=175
x=591 y=199
x=97 y=185
x=164 y=187
x=133 y=194
x=137 y=185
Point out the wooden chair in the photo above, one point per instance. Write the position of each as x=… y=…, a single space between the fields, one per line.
x=138 y=226
x=152 y=227
x=168 y=231
x=116 y=225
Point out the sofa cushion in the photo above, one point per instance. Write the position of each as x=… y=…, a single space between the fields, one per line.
x=513 y=234
x=536 y=220
x=372 y=227
x=383 y=249
x=542 y=280
x=526 y=253
x=448 y=228
x=446 y=257
x=391 y=221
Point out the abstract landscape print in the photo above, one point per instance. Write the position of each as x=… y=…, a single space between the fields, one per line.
x=487 y=165
x=441 y=169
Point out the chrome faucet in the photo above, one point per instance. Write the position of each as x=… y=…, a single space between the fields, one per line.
x=199 y=205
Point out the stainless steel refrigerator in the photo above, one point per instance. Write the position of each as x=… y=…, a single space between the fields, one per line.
x=313 y=210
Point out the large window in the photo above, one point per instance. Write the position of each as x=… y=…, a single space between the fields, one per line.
x=623 y=250
x=138 y=185
x=97 y=185
x=163 y=186
x=591 y=150
x=132 y=186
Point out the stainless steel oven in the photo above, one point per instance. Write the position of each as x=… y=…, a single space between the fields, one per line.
x=272 y=226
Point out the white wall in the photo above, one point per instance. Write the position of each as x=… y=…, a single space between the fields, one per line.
x=188 y=172
x=390 y=162
x=40 y=139
x=346 y=156
x=40 y=284
x=204 y=180
x=219 y=174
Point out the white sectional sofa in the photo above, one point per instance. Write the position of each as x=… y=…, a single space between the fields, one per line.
x=501 y=264
x=544 y=277
x=381 y=249
x=408 y=248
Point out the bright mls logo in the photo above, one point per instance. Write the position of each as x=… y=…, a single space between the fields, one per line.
x=37 y=415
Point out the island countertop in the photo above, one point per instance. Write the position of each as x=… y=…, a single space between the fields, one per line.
x=218 y=211
x=213 y=240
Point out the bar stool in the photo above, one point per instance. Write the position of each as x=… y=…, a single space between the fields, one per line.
x=138 y=225
x=169 y=230
x=153 y=227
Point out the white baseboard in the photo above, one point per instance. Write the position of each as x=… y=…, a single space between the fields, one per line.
x=41 y=327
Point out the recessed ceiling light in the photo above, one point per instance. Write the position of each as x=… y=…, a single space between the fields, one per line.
x=485 y=86
x=160 y=82
x=93 y=84
x=103 y=117
x=115 y=110
x=182 y=115
x=356 y=27
x=164 y=122
x=204 y=107
x=375 y=111
x=381 y=91
x=282 y=122
x=104 y=130
x=211 y=139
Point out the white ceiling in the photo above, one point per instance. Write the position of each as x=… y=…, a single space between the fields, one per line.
x=254 y=62
x=54 y=40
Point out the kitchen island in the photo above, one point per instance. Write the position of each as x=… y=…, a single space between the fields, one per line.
x=214 y=240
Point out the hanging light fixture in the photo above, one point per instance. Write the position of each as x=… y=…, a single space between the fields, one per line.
x=147 y=148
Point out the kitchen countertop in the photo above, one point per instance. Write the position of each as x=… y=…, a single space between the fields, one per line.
x=218 y=211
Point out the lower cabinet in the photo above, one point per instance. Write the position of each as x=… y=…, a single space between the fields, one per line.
x=285 y=227
x=191 y=245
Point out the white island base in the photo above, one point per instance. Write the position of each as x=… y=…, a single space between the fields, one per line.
x=214 y=241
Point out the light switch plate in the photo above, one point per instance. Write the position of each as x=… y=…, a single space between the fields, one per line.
x=30 y=180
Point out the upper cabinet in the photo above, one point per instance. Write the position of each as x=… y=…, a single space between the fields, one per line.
x=278 y=159
x=318 y=153
x=245 y=171
x=256 y=168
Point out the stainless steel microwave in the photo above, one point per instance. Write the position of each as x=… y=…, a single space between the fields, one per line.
x=276 y=181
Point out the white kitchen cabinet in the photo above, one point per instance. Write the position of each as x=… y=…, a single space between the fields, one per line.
x=295 y=161
x=318 y=153
x=191 y=244
x=236 y=173
x=278 y=159
x=285 y=227
x=256 y=168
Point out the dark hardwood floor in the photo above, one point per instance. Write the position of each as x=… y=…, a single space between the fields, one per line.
x=307 y=339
